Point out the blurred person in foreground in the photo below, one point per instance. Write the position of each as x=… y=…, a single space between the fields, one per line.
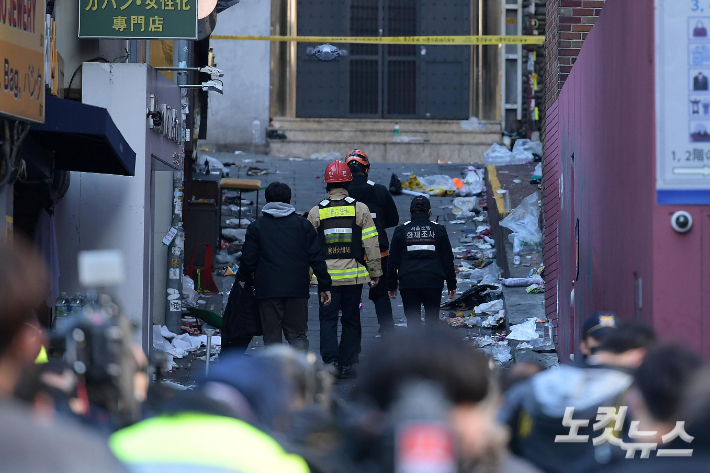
x=656 y=402
x=535 y=410
x=447 y=378
x=225 y=424
x=311 y=428
x=34 y=443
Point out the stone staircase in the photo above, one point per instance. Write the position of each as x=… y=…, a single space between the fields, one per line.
x=431 y=141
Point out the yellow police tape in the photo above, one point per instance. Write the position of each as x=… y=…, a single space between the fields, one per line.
x=434 y=40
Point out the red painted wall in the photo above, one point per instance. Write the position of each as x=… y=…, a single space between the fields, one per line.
x=605 y=119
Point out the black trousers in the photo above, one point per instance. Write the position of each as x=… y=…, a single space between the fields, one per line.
x=286 y=315
x=413 y=299
x=383 y=306
x=347 y=300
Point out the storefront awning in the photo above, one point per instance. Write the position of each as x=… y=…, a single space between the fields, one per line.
x=84 y=138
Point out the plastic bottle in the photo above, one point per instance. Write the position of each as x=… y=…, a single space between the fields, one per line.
x=256 y=132
x=396 y=129
x=76 y=305
x=61 y=308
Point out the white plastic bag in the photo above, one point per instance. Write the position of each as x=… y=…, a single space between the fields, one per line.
x=438 y=185
x=537 y=173
x=524 y=332
x=533 y=147
x=474 y=184
x=188 y=289
x=523 y=222
x=497 y=155
x=464 y=206
x=488 y=275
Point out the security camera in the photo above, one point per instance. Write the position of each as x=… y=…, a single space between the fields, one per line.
x=213 y=86
x=682 y=221
x=213 y=72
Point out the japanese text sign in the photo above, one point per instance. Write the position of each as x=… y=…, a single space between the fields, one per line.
x=138 y=19
x=22 y=49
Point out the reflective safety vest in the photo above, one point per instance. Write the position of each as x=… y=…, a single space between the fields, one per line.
x=201 y=442
x=42 y=357
x=338 y=226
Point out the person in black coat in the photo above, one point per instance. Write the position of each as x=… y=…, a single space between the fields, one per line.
x=421 y=259
x=279 y=249
x=385 y=214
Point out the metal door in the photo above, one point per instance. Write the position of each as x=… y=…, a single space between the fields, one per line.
x=385 y=81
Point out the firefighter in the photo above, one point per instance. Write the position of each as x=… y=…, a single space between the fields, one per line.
x=384 y=212
x=421 y=259
x=350 y=236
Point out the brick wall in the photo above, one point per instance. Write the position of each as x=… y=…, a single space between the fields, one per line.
x=568 y=24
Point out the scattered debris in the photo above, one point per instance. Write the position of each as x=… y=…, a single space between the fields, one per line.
x=525 y=332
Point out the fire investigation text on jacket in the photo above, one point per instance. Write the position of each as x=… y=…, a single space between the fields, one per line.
x=421 y=256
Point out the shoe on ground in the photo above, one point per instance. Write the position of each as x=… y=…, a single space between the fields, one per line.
x=346 y=372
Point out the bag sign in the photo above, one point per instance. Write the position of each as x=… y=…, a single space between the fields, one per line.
x=22 y=54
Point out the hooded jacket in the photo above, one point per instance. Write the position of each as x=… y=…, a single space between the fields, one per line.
x=279 y=248
x=348 y=271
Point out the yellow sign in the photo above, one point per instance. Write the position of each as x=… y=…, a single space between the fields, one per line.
x=442 y=40
x=22 y=49
x=335 y=212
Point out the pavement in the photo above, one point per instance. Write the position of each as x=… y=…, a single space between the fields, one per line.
x=305 y=177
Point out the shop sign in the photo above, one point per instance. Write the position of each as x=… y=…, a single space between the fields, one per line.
x=138 y=19
x=22 y=50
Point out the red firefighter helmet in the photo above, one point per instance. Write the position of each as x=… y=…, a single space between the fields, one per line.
x=359 y=156
x=337 y=171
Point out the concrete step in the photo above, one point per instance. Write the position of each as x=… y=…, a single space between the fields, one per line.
x=385 y=136
x=388 y=152
x=407 y=127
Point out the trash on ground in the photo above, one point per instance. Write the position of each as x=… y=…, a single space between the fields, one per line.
x=523 y=221
x=517 y=181
x=473 y=184
x=438 y=185
x=475 y=296
x=395 y=185
x=521 y=282
x=494 y=320
x=497 y=155
x=466 y=207
x=534 y=289
x=525 y=332
x=458 y=222
x=255 y=171
x=524 y=151
x=524 y=346
x=481 y=342
x=537 y=173
x=492 y=307
x=499 y=352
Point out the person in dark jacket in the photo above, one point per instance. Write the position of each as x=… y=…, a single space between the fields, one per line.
x=384 y=212
x=279 y=248
x=421 y=259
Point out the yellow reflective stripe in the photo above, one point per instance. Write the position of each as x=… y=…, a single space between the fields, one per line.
x=231 y=445
x=42 y=357
x=369 y=232
x=339 y=274
x=335 y=212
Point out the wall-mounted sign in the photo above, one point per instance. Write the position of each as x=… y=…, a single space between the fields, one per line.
x=22 y=27
x=138 y=19
x=682 y=102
